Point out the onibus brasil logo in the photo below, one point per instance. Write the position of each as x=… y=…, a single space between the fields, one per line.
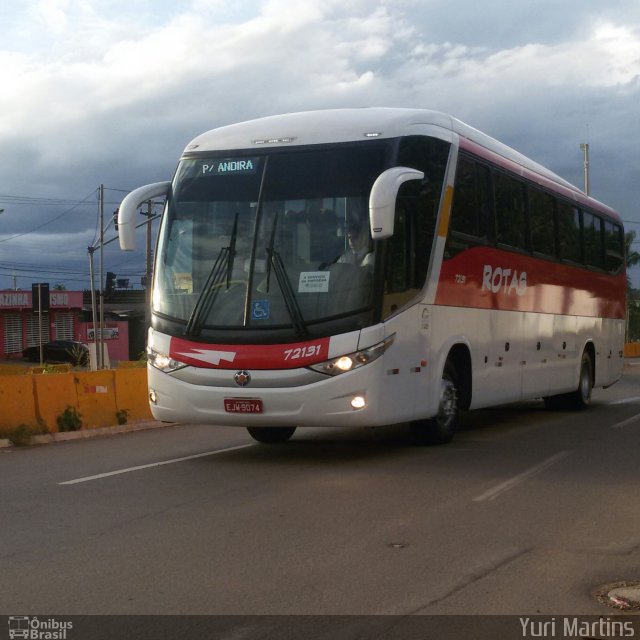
x=34 y=628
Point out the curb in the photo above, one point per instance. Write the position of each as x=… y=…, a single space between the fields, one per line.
x=82 y=434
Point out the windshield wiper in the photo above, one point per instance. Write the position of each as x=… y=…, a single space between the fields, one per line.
x=270 y=248
x=290 y=300
x=232 y=250
x=220 y=271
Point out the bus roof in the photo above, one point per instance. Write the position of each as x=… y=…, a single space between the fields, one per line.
x=349 y=125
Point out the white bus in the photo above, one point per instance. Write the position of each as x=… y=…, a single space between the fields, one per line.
x=374 y=266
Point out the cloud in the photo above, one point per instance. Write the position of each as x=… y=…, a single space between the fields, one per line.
x=52 y=14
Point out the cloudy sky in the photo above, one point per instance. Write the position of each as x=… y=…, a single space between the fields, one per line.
x=110 y=92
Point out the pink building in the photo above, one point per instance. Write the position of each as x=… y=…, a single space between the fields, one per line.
x=19 y=324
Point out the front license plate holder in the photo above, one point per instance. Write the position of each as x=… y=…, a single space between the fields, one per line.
x=243 y=405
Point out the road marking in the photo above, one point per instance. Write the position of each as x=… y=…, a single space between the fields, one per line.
x=155 y=464
x=493 y=493
x=625 y=401
x=626 y=422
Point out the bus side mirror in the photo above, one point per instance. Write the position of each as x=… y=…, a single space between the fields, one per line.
x=382 y=200
x=129 y=208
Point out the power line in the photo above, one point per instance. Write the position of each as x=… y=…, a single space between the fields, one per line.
x=44 y=224
x=10 y=199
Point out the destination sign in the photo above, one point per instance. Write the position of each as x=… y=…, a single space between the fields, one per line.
x=229 y=166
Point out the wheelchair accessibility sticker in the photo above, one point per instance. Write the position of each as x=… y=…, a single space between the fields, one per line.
x=260 y=310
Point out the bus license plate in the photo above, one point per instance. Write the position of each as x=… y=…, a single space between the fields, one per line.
x=243 y=405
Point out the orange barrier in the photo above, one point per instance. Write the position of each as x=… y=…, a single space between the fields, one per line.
x=96 y=398
x=38 y=400
x=17 y=402
x=53 y=393
x=632 y=350
x=131 y=393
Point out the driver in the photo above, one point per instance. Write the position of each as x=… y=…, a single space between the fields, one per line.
x=359 y=242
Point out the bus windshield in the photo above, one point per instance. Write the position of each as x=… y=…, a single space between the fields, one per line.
x=273 y=240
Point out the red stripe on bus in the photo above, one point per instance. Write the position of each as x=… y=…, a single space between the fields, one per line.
x=243 y=356
x=488 y=278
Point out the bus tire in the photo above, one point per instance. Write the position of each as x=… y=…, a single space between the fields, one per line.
x=581 y=397
x=442 y=427
x=271 y=435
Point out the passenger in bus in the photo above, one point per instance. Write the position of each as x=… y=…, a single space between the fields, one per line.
x=359 y=241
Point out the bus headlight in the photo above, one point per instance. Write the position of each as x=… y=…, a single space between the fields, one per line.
x=351 y=361
x=162 y=361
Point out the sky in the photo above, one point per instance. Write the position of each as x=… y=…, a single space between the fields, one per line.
x=111 y=91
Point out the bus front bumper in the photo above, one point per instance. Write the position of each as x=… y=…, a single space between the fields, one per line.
x=350 y=399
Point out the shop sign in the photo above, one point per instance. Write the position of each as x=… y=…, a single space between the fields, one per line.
x=57 y=300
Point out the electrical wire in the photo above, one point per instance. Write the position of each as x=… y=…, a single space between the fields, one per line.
x=44 y=224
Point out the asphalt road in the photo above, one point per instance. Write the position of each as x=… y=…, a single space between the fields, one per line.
x=527 y=512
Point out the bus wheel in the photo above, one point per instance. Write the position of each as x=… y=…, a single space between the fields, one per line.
x=271 y=435
x=442 y=427
x=581 y=397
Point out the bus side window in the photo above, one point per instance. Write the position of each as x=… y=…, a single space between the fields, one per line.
x=470 y=209
x=408 y=251
x=510 y=211
x=542 y=221
x=569 y=233
x=399 y=253
x=614 y=246
x=593 y=240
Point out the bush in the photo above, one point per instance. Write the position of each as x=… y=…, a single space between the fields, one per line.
x=70 y=420
x=19 y=436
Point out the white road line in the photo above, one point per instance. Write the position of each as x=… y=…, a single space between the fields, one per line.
x=493 y=493
x=626 y=422
x=155 y=464
x=624 y=401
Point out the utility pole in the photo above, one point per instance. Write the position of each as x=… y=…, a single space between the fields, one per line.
x=585 y=152
x=99 y=336
x=40 y=323
x=94 y=314
x=149 y=268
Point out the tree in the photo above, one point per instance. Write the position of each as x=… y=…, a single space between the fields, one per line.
x=633 y=313
x=633 y=257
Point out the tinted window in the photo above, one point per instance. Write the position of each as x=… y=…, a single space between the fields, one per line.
x=542 y=222
x=510 y=211
x=593 y=246
x=472 y=200
x=471 y=212
x=614 y=246
x=408 y=251
x=569 y=232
